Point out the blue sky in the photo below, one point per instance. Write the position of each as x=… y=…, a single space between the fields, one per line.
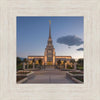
x=33 y=33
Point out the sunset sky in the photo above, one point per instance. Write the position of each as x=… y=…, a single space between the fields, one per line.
x=66 y=32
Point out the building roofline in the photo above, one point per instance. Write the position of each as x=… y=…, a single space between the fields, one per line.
x=35 y=56
x=63 y=56
x=55 y=56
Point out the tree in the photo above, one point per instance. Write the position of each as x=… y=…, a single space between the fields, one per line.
x=18 y=61
x=33 y=60
x=72 y=61
x=80 y=62
x=59 y=62
x=25 y=60
x=40 y=61
x=19 y=64
x=64 y=61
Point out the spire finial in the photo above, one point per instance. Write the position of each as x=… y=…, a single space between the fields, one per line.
x=49 y=29
x=49 y=21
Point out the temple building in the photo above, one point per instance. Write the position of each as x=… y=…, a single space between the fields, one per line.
x=49 y=57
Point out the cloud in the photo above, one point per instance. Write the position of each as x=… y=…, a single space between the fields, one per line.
x=80 y=49
x=70 y=40
x=69 y=47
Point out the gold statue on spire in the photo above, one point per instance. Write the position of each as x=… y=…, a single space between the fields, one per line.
x=49 y=21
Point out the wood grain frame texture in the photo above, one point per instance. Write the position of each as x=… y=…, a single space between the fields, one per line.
x=9 y=90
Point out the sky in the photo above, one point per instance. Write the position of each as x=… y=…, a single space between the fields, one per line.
x=66 y=32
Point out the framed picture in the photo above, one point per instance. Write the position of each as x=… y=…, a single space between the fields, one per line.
x=49 y=50
x=62 y=61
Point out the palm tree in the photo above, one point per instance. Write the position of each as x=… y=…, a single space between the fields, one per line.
x=64 y=62
x=72 y=61
x=19 y=64
x=18 y=61
x=33 y=60
x=80 y=62
x=40 y=61
x=59 y=62
x=25 y=60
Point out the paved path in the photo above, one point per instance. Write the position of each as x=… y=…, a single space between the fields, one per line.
x=49 y=75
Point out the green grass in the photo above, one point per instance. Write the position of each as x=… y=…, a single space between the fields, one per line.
x=80 y=68
x=20 y=67
x=68 y=67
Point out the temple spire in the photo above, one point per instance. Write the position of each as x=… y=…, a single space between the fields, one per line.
x=49 y=29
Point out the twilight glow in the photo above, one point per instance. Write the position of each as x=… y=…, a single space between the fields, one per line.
x=66 y=32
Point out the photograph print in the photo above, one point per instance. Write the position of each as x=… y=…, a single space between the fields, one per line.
x=50 y=50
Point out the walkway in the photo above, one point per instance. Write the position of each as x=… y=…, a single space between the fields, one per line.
x=49 y=75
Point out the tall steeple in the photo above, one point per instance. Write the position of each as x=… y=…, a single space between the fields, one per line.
x=49 y=54
x=49 y=39
x=49 y=29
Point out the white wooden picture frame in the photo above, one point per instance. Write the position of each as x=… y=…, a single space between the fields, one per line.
x=10 y=90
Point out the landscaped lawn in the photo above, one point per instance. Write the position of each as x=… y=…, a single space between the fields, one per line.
x=20 y=67
x=80 y=68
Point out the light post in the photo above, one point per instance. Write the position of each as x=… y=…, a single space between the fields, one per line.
x=75 y=65
x=27 y=65
x=24 y=65
x=33 y=65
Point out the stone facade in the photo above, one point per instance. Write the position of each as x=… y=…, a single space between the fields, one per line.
x=49 y=57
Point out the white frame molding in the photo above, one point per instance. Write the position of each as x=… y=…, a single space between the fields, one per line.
x=9 y=10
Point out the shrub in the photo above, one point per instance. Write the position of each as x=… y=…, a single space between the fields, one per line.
x=69 y=67
x=80 y=68
x=30 y=66
x=80 y=62
x=59 y=62
x=37 y=66
x=20 y=67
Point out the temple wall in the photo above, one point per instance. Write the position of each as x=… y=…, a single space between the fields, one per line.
x=44 y=59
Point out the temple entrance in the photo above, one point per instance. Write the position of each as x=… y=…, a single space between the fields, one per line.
x=49 y=63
